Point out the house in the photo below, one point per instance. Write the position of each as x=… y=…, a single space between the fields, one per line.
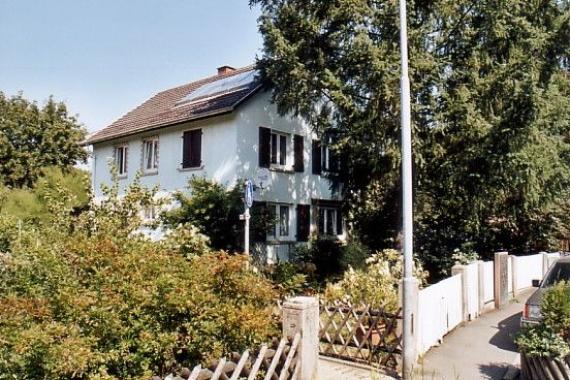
x=225 y=128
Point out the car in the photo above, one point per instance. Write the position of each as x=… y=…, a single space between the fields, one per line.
x=559 y=271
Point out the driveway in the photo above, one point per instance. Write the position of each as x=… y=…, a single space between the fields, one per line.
x=482 y=349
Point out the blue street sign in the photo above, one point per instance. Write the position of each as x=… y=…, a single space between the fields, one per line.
x=248 y=193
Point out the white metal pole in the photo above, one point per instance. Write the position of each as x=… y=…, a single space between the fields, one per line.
x=408 y=281
x=246 y=231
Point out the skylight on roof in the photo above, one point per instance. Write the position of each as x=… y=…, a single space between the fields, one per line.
x=221 y=86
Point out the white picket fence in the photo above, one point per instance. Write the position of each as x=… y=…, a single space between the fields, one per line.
x=470 y=292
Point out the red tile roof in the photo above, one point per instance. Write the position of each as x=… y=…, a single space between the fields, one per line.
x=163 y=109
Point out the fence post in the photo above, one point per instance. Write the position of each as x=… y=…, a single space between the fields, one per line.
x=514 y=269
x=462 y=270
x=481 y=282
x=501 y=279
x=415 y=316
x=301 y=314
x=544 y=263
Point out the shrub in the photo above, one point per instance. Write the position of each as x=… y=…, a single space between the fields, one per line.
x=552 y=335
x=214 y=210
x=287 y=277
x=90 y=298
x=376 y=285
x=330 y=257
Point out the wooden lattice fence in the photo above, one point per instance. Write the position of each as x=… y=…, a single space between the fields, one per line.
x=276 y=362
x=360 y=333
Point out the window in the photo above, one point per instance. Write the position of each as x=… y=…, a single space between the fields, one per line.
x=329 y=222
x=278 y=149
x=325 y=158
x=121 y=157
x=280 y=214
x=192 y=149
x=149 y=213
x=150 y=155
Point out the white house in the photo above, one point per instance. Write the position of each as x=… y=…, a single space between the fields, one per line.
x=225 y=128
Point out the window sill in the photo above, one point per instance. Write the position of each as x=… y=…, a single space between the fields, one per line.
x=273 y=241
x=192 y=169
x=122 y=176
x=281 y=169
x=146 y=174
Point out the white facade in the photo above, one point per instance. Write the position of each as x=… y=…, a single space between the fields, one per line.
x=229 y=152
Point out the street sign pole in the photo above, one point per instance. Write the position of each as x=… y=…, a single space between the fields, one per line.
x=248 y=201
x=408 y=280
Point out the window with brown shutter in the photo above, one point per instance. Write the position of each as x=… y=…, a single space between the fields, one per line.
x=303 y=222
x=316 y=157
x=192 y=148
x=264 y=147
x=299 y=165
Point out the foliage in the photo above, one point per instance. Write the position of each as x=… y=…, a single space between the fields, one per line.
x=91 y=298
x=214 y=210
x=186 y=240
x=552 y=336
x=377 y=284
x=326 y=258
x=33 y=138
x=35 y=204
x=464 y=255
x=490 y=113
x=555 y=309
x=287 y=277
x=542 y=341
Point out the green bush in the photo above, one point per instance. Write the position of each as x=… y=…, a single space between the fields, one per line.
x=287 y=277
x=214 y=210
x=552 y=336
x=90 y=298
x=330 y=257
x=376 y=285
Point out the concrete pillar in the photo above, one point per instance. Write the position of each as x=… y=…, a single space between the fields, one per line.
x=501 y=279
x=415 y=333
x=462 y=270
x=481 y=285
x=544 y=263
x=301 y=314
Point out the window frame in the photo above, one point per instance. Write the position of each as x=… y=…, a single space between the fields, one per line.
x=278 y=152
x=277 y=232
x=155 y=147
x=122 y=167
x=181 y=166
x=326 y=212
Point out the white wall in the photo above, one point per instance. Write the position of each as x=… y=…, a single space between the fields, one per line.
x=218 y=156
x=289 y=187
x=439 y=311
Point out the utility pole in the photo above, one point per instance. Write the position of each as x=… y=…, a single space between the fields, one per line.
x=407 y=201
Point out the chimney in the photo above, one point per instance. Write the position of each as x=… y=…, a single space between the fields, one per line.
x=223 y=70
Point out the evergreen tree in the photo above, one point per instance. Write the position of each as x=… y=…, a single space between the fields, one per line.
x=490 y=112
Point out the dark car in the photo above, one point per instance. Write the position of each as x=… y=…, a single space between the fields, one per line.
x=559 y=271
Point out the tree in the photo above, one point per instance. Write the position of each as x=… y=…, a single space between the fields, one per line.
x=32 y=138
x=489 y=84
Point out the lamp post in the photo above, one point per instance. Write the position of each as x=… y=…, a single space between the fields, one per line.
x=408 y=280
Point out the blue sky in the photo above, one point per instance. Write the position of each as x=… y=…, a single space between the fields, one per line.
x=104 y=57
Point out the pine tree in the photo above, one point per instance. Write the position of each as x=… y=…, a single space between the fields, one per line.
x=490 y=93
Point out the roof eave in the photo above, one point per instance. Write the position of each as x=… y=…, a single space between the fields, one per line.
x=205 y=115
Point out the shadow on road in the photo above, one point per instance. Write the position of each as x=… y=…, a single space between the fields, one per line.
x=493 y=371
x=507 y=328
